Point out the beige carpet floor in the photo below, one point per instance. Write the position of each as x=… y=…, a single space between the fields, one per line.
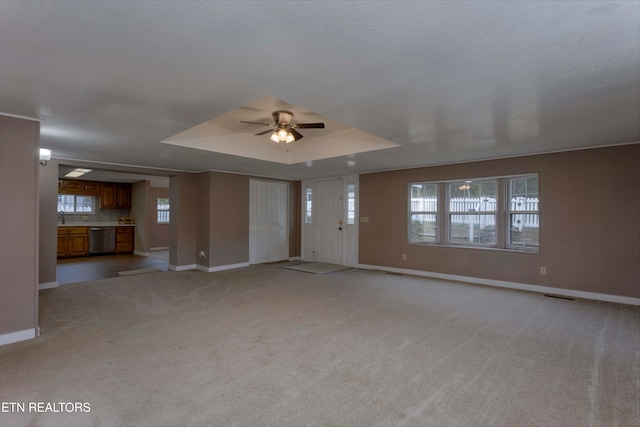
x=269 y=346
x=314 y=267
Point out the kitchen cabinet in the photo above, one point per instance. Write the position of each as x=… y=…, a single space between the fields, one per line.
x=123 y=196
x=108 y=195
x=74 y=186
x=115 y=196
x=73 y=241
x=124 y=239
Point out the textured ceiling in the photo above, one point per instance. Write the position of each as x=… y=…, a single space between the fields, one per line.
x=445 y=81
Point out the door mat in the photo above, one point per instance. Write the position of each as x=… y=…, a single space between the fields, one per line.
x=315 y=267
x=135 y=272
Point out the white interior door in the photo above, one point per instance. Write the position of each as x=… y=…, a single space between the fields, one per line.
x=328 y=221
x=268 y=219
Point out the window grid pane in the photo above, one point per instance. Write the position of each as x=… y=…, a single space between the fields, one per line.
x=479 y=197
x=307 y=204
x=423 y=213
x=162 y=207
x=523 y=216
x=351 y=204
x=76 y=204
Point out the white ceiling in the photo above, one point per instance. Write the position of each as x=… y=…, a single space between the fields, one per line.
x=445 y=81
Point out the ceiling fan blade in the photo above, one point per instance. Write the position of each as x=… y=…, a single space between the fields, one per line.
x=256 y=123
x=310 y=125
x=266 y=131
x=297 y=135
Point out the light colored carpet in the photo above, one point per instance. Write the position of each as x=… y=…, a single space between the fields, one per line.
x=315 y=267
x=268 y=346
x=141 y=271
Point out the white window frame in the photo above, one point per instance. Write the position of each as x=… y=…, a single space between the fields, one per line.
x=164 y=211
x=488 y=215
x=308 y=205
x=501 y=215
x=75 y=204
x=424 y=212
x=532 y=205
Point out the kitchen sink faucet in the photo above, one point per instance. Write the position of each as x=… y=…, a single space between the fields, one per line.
x=61 y=214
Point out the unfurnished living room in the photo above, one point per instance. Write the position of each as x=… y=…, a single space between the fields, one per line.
x=319 y=213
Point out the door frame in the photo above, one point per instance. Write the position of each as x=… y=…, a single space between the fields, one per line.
x=286 y=210
x=306 y=232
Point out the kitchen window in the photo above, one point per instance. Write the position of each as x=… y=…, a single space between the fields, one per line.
x=68 y=203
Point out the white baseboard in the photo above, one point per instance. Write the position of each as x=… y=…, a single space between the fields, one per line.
x=222 y=267
x=141 y=253
x=49 y=285
x=181 y=267
x=11 y=337
x=510 y=285
x=294 y=258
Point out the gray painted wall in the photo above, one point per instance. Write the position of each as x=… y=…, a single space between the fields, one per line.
x=19 y=211
x=590 y=222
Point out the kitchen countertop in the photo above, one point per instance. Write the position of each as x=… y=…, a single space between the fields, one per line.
x=93 y=224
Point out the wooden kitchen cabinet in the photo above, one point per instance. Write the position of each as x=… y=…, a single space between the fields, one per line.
x=74 y=186
x=123 y=196
x=124 y=239
x=73 y=242
x=115 y=196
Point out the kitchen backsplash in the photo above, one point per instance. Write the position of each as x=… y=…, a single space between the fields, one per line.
x=105 y=215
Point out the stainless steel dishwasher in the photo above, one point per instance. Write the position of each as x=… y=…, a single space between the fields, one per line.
x=102 y=240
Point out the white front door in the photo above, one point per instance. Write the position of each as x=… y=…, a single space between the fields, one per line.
x=328 y=221
x=268 y=229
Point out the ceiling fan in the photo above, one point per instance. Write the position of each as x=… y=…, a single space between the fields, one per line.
x=284 y=130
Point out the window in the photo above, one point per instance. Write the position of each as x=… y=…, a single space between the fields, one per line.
x=68 y=203
x=307 y=206
x=162 y=207
x=351 y=204
x=472 y=212
x=423 y=213
x=500 y=212
x=523 y=216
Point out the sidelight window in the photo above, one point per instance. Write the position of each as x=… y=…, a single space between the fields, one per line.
x=307 y=205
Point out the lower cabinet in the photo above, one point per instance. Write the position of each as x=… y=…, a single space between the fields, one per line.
x=124 y=239
x=73 y=241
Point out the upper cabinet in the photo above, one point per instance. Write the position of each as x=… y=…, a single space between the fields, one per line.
x=112 y=195
x=115 y=196
x=74 y=186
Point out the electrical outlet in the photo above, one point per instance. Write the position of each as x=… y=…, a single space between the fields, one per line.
x=202 y=254
x=543 y=271
x=404 y=257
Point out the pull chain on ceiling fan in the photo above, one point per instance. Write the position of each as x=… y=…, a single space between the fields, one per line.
x=284 y=131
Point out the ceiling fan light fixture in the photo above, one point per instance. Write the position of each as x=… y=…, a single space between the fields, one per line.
x=274 y=137
x=283 y=133
x=290 y=138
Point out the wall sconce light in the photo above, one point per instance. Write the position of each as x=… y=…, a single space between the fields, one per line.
x=45 y=156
